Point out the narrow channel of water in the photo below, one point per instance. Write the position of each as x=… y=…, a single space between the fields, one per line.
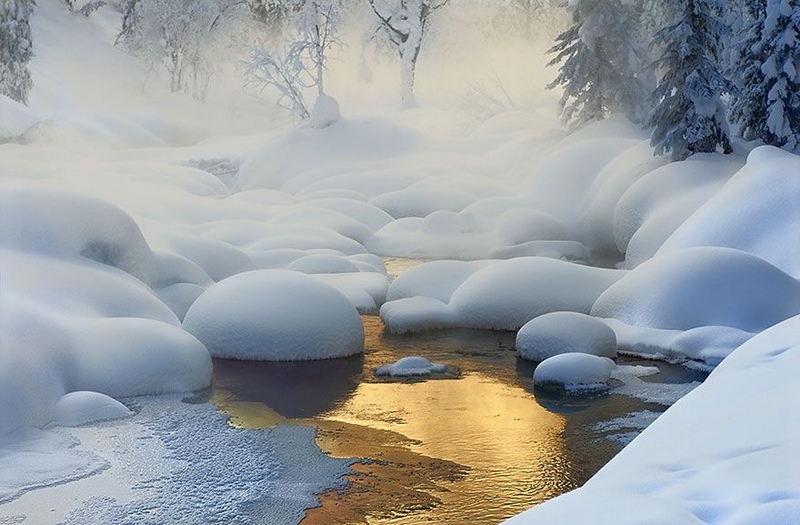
x=475 y=448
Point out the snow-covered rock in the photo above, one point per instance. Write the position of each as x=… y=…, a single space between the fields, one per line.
x=275 y=315
x=565 y=332
x=410 y=366
x=436 y=279
x=706 y=286
x=83 y=407
x=15 y=119
x=574 y=372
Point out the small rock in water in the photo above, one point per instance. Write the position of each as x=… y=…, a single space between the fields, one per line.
x=410 y=366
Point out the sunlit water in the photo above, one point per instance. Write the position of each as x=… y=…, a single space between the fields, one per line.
x=478 y=447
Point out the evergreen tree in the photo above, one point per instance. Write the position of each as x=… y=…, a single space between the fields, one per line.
x=749 y=102
x=781 y=49
x=689 y=115
x=601 y=62
x=16 y=48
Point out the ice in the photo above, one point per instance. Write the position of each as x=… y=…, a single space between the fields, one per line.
x=80 y=408
x=574 y=372
x=410 y=366
x=704 y=286
x=275 y=315
x=565 y=332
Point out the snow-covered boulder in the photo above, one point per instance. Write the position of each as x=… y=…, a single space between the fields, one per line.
x=757 y=211
x=703 y=286
x=574 y=372
x=565 y=332
x=508 y=294
x=436 y=279
x=325 y=112
x=83 y=407
x=416 y=314
x=275 y=315
x=410 y=366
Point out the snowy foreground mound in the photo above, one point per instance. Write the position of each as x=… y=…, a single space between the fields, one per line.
x=275 y=315
x=740 y=470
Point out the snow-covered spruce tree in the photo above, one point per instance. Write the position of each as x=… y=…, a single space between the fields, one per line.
x=772 y=94
x=689 y=115
x=16 y=49
x=404 y=24
x=746 y=58
x=299 y=63
x=601 y=62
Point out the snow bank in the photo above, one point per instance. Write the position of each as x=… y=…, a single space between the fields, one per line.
x=410 y=366
x=15 y=119
x=275 y=315
x=735 y=467
x=565 y=332
x=658 y=203
x=705 y=286
x=574 y=372
x=756 y=211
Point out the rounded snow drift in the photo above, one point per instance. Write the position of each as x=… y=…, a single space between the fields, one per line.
x=80 y=408
x=574 y=373
x=565 y=332
x=275 y=315
x=410 y=366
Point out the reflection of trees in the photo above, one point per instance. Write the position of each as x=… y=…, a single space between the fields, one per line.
x=296 y=389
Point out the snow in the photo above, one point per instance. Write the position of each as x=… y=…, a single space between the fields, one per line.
x=703 y=286
x=574 y=372
x=275 y=315
x=410 y=366
x=756 y=211
x=141 y=232
x=79 y=408
x=565 y=332
x=736 y=466
x=325 y=112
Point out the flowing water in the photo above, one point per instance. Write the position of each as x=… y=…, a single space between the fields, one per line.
x=475 y=446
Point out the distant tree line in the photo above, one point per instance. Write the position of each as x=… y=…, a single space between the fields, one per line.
x=694 y=72
x=710 y=63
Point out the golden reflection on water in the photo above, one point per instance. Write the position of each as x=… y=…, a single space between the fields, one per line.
x=477 y=449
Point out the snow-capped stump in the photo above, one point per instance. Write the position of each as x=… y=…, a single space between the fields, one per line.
x=275 y=315
x=80 y=408
x=325 y=112
x=411 y=366
x=565 y=332
x=574 y=373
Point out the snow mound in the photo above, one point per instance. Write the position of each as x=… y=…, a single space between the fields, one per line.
x=565 y=332
x=275 y=315
x=704 y=286
x=574 y=373
x=756 y=212
x=508 y=294
x=660 y=201
x=421 y=202
x=410 y=366
x=416 y=314
x=325 y=112
x=79 y=408
x=437 y=279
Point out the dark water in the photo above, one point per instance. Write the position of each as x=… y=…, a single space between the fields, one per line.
x=476 y=447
